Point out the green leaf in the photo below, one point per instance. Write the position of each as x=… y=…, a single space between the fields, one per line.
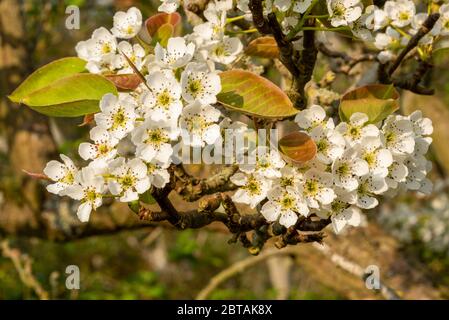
x=71 y=96
x=254 y=95
x=162 y=34
x=46 y=75
x=134 y=206
x=376 y=100
x=297 y=148
x=147 y=198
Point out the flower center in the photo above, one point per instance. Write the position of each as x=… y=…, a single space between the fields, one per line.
x=253 y=187
x=127 y=181
x=195 y=87
x=354 y=132
x=69 y=178
x=155 y=137
x=311 y=187
x=322 y=145
x=343 y=169
x=287 y=202
x=164 y=99
x=370 y=158
x=118 y=119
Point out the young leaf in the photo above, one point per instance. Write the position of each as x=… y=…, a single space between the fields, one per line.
x=376 y=100
x=153 y=23
x=46 y=75
x=254 y=95
x=264 y=47
x=297 y=148
x=71 y=96
x=162 y=35
x=125 y=82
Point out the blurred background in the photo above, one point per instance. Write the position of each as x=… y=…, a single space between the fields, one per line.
x=407 y=237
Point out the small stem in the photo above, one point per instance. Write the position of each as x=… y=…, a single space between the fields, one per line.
x=298 y=27
x=232 y=19
x=319 y=16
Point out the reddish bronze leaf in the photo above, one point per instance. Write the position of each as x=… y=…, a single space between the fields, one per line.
x=153 y=23
x=297 y=148
x=264 y=47
x=125 y=82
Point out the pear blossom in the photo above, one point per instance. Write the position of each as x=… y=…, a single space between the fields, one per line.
x=152 y=140
x=117 y=114
x=347 y=169
x=397 y=173
x=99 y=51
x=62 y=173
x=176 y=55
x=342 y=12
x=312 y=117
x=135 y=53
x=291 y=176
x=376 y=156
x=163 y=101
x=157 y=173
x=89 y=190
x=441 y=27
x=401 y=12
x=253 y=188
x=330 y=144
x=128 y=179
x=397 y=135
x=376 y=18
x=198 y=124
x=267 y=163
x=301 y=6
x=342 y=214
x=214 y=27
x=317 y=188
x=226 y=50
x=284 y=204
x=200 y=84
x=370 y=186
x=357 y=128
x=103 y=146
x=127 y=24
x=169 y=6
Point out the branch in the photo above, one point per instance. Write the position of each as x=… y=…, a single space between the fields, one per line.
x=413 y=42
x=306 y=64
x=192 y=189
x=412 y=84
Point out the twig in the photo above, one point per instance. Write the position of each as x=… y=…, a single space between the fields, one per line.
x=23 y=265
x=239 y=267
x=413 y=42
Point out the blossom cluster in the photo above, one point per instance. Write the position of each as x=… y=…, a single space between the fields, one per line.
x=387 y=28
x=356 y=162
x=173 y=105
x=132 y=142
x=420 y=222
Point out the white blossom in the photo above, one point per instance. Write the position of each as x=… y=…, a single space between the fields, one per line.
x=128 y=179
x=200 y=84
x=284 y=204
x=127 y=24
x=253 y=188
x=117 y=114
x=103 y=146
x=198 y=124
x=176 y=55
x=62 y=173
x=342 y=12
